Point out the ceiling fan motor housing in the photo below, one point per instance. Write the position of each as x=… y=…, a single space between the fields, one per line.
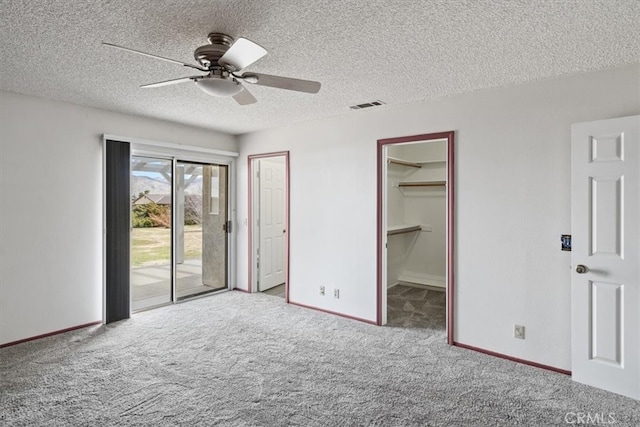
x=219 y=82
x=209 y=54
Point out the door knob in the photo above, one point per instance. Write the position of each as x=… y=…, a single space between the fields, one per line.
x=581 y=269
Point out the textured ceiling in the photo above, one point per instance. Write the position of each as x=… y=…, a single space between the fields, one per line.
x=397 y=51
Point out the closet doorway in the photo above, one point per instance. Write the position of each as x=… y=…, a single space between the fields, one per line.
x=269 y=223
x=415 y=231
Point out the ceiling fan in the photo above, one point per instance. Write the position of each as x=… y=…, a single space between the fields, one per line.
x=222 y=59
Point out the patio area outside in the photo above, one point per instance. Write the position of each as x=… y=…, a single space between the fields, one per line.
x=151 y=266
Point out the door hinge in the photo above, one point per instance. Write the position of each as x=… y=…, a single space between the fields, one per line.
x=227 y=226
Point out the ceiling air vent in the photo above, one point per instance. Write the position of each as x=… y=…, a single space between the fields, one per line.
x=367 y=105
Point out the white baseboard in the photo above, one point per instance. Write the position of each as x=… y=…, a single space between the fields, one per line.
x=423 y=279
x=392 y=285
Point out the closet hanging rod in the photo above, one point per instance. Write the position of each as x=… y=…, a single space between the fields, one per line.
x=423 y=184
x=402 y=230
x=403 y=163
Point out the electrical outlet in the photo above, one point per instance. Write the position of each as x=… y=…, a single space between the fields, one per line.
x=518 y=332
x=321 y=290
x=336 y=293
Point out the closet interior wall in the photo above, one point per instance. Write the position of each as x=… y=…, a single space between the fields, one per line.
x=416 y=200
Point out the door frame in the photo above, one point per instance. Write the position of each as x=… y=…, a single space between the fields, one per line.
x=252 y=264
x=381 y=226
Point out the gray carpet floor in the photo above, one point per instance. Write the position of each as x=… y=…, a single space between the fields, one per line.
x=416 y=307
x=235 y=359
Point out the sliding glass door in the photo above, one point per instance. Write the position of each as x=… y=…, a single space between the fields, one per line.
x=179 y=230
x=151 y=232
x=201 y=224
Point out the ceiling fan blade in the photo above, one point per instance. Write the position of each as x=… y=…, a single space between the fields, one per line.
x=279 y=82
x=162 y=58
x=171 y=82
x=244 y=97
x=242 y=53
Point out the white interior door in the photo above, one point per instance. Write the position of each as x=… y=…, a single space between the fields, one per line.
x=271 y=255
x=605 y=294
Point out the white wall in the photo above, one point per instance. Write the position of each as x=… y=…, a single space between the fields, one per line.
x=51 y=208
x=512 y=204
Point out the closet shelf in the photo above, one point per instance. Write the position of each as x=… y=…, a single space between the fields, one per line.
x=404 y=228
x=422 y=162
x=412 y=164
x=401 y=162
x=422 y=184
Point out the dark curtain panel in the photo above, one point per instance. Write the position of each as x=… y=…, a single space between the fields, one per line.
x=118 y=223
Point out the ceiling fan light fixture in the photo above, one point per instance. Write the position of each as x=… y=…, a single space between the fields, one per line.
x=217 y=86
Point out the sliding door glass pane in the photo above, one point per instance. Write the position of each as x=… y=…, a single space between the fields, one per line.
x=151 y=208
x=201 y=240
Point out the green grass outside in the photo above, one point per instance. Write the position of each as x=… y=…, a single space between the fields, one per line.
x=152 y=245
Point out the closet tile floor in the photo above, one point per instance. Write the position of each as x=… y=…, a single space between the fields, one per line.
x=416 y=307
